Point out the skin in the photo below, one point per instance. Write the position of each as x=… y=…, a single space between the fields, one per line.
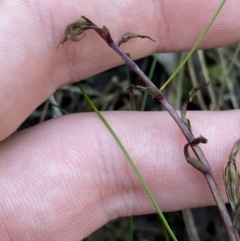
x=62 y=180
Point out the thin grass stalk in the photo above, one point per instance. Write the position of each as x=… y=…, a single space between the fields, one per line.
x=195 y=46
x=144 y=184
x=150 y=75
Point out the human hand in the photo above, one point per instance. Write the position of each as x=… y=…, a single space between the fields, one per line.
x=61 y=180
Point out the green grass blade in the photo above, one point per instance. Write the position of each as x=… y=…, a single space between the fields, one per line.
x=154 y=202
x=151 y=72
x=130 y=82
x=194 y=46
x=62 y=110
x=131 y=229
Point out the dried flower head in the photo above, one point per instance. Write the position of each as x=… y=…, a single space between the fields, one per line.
x=231 y=178
x=231 y=182
x=74 y=30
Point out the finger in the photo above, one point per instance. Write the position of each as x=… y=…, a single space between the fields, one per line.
x=32 y=68
x=62 y=179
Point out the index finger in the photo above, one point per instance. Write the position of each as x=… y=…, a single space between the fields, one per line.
x=32 y=69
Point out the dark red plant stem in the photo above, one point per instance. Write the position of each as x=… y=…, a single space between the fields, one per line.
x=231 y=230
x=105 y=35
